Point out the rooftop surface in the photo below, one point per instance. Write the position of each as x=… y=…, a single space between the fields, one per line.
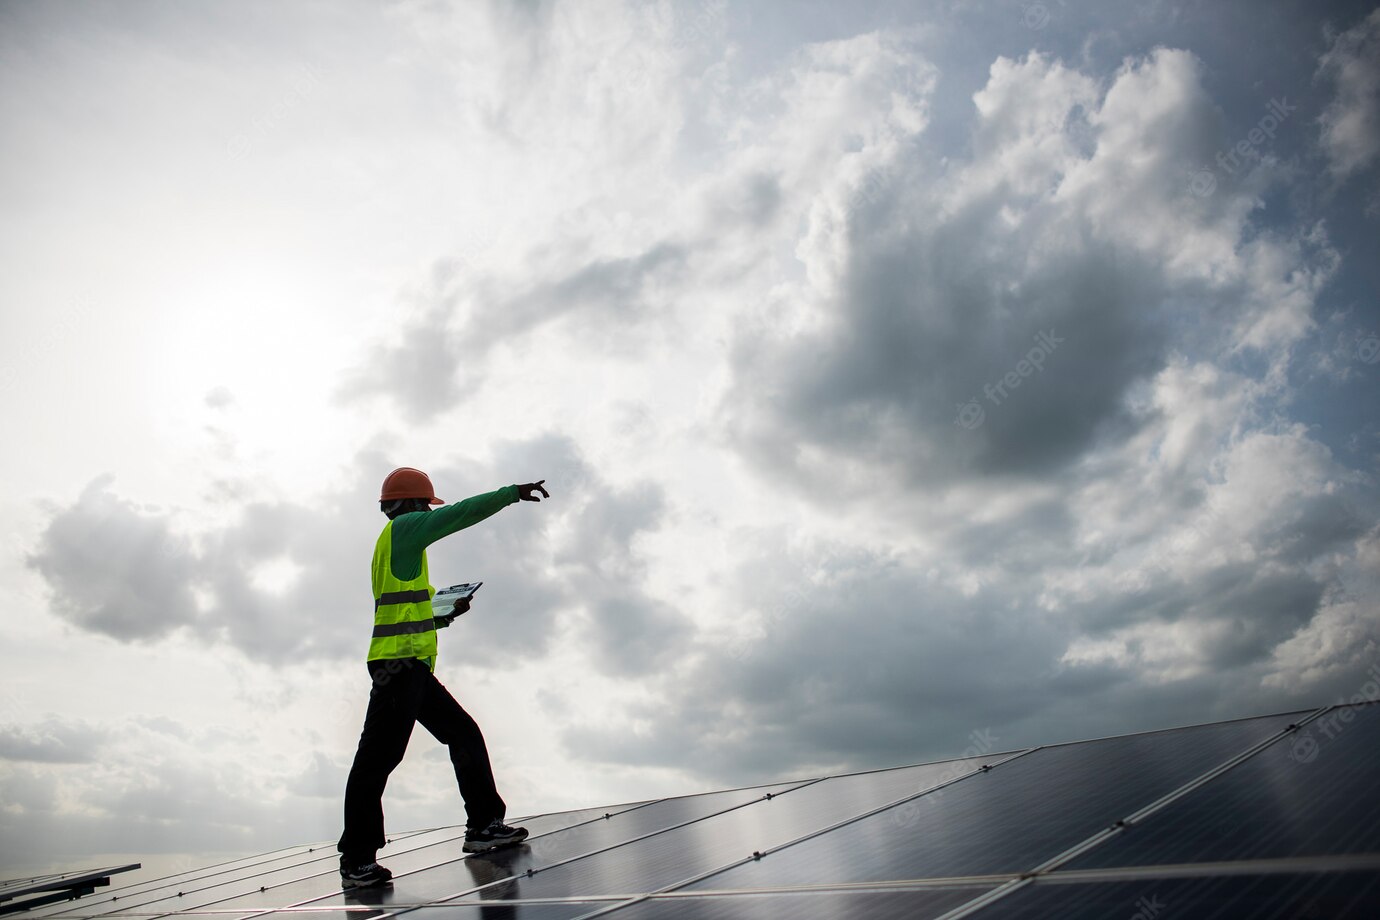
x=1272 y=816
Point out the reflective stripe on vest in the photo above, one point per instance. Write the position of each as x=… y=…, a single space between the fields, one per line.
x=403 y=629
x=402 y=597
x=403 y=626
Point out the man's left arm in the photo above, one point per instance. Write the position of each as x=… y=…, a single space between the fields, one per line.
x=448 y=519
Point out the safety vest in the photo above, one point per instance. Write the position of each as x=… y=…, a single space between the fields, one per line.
x=403 y=627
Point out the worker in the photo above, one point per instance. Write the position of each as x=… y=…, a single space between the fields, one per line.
x=402 y=664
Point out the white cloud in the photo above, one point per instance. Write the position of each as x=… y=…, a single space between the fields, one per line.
x=1351 y=122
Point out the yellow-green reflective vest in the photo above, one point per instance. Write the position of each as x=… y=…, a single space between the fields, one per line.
x=403 y=627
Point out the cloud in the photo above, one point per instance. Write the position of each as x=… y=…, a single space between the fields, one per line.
x=115 y=569
x=288 y=582
x=1351 y=122
x=51 y=741
x=1257 y=596
x=1072 y=226
x=577 y=114
x=433 y=367
x=1130 y=520
x=149 y=792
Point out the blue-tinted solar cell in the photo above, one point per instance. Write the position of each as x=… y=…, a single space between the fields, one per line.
x=447 y=871
x=1325 y=896
x=1010 y=819
x=1312 y=794
x=678 y=855
x=814 y=905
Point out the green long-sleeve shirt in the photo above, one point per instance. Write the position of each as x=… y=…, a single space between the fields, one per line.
x=415 y=531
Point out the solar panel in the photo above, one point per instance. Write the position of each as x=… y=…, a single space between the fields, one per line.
x=1011 y=818
x=1270 y=816
x=1314 y=795
x=549 y=850
x=677 y=855
x=23 y=894
x=920 y=904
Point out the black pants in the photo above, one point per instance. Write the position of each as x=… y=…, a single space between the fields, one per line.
x=404 y=692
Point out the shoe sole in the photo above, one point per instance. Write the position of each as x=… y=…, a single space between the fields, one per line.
x=486 y=847
x=350 y=883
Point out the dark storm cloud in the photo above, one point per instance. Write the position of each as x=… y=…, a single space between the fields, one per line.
x=1014 y=298
x=117 y=570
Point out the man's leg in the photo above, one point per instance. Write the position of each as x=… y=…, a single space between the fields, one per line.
x=394 y=700
x=453 y=727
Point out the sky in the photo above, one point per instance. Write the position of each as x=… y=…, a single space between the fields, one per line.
x=909 y=378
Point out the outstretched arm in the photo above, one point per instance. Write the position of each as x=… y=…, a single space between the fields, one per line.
x=447 y=519
x=413 y=533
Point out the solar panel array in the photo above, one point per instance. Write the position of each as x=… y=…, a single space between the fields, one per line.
x=1274 y=816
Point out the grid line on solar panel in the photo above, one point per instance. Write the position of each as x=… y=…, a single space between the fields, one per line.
x=1293 y=865
x=1166 y=731
x=1289 y=800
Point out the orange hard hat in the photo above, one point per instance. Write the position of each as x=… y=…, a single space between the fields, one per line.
x=405 y=482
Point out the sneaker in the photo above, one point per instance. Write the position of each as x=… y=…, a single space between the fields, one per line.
x=360 y=875
x=497 y=834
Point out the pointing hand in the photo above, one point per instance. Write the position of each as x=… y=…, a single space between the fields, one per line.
x=528 y=492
